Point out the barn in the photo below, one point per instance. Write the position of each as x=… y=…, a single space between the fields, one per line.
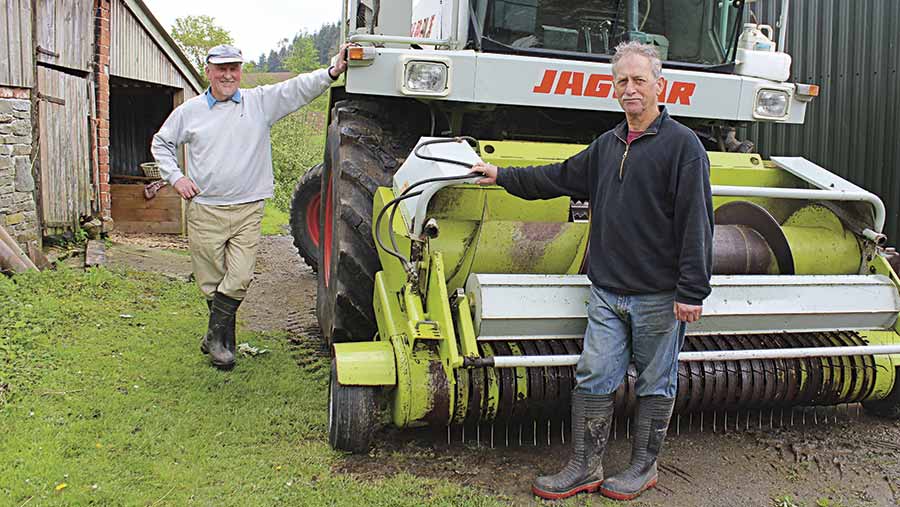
x=84 y=84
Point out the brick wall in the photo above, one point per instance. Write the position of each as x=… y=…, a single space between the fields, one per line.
x=101 y=74
x=18 y=213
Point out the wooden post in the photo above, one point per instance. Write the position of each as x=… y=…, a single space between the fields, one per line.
x=13 y=248
x=10 y=261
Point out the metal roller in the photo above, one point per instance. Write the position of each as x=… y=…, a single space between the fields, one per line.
x=775 y=383
x=739 y=249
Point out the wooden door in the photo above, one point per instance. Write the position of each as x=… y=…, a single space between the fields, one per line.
x=65 y=162
x=64 y=33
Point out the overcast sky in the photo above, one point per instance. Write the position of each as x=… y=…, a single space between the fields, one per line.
x=256 y=25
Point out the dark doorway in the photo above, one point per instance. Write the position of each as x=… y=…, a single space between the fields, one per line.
x=136 y=111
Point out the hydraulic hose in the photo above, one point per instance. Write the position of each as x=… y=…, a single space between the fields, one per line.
x=406 y=194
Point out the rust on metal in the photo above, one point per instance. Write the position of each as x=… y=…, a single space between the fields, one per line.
x=531 y=240
x=740 y=250
x=440 y=394
x=760 y=220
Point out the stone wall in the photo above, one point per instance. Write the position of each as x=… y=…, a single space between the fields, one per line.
x=18 y=213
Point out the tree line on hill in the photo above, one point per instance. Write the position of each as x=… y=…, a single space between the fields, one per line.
x=305 y=52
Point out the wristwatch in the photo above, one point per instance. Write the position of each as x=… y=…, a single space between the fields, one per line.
x=332 y=75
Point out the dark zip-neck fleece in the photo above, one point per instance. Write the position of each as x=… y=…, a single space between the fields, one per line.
x=651 y=207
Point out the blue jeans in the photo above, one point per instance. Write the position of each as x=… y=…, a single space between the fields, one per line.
x=624 y=328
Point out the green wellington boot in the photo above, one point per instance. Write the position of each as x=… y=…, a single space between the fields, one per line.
x=591 y=418
x=653 y=417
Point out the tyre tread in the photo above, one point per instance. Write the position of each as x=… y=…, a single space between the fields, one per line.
x=306 y=188
x=366 y=154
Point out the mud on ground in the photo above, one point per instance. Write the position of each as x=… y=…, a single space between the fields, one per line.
x=827 y=457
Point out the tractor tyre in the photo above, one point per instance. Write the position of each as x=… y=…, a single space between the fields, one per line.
x=352 y=415
x=364 y=147
x=888 y=407
x=305 y=207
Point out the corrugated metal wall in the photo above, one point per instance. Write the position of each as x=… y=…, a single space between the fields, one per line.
x=15 y=43
x=852 y=50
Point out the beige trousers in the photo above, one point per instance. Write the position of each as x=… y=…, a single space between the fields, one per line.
x=223 y=241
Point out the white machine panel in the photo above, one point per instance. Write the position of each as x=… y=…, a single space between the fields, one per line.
x=385 y=75
x=540 y=307
x=415 y=169
x=530 y=81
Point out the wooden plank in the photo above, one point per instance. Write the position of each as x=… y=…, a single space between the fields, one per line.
x=95 y=253
x=44 y=33
x=26 y=29
x=142 y=203
x=10 y=68
x=133 y=210
x=119 y=190
x=149 y=227
x=136 y=193
x=145 y=214
x=96 y=205
x=127 y=189
x=15 y=44
x=124 y=203
x=43 y=159
x=5 y=55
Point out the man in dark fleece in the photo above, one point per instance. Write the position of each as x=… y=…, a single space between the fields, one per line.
x=650 y=261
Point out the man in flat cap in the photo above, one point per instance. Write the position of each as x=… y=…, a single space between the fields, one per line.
x=226 y=130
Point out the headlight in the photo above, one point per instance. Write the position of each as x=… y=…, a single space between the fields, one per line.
x=426 y=77
x=772 y=104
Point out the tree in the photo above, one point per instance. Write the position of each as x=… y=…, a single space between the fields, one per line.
x=303 y=56
x=197 y=35
x=326 y=41
x=274 y=62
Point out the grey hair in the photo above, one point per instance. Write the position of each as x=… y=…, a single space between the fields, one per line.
x=636 y=48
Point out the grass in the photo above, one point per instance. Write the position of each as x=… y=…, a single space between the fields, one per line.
x=107 y=401
x=274 y=221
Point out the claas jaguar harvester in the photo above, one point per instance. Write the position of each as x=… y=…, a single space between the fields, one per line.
x=455 y=305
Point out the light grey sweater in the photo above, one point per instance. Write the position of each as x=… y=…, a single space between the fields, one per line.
x=229 y=148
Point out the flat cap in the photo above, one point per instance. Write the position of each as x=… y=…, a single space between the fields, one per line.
x=224 y=53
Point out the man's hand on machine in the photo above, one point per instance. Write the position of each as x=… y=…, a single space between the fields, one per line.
x=687 y=313
x=488 y=171
x=186 y=188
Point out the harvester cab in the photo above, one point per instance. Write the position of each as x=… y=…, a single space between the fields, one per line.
x=456 y=305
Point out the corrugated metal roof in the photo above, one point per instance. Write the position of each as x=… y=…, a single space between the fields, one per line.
x=851 y=49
